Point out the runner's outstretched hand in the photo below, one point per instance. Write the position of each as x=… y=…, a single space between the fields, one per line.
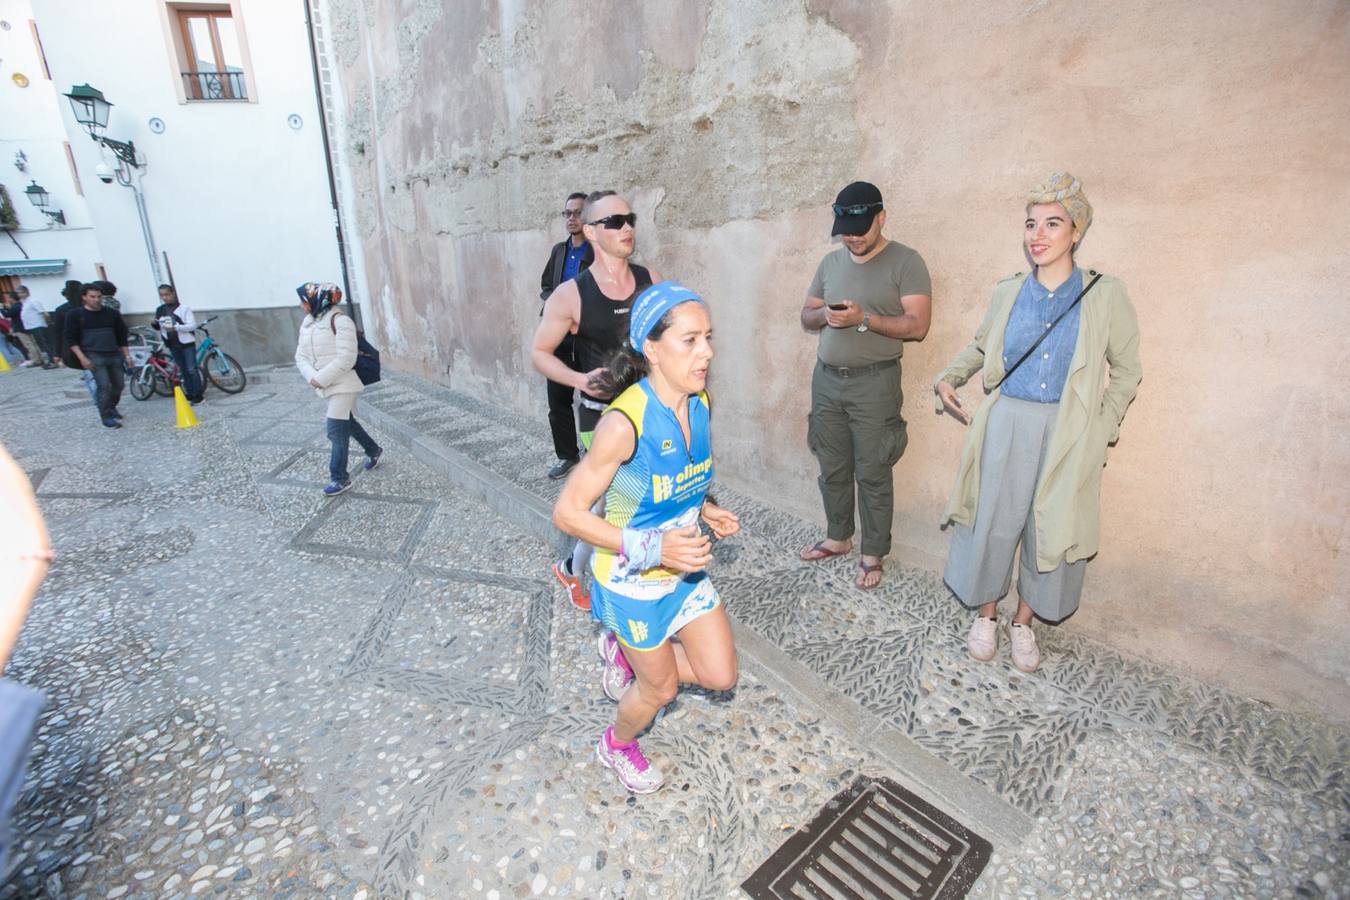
x=723 y=522
x=685 y=550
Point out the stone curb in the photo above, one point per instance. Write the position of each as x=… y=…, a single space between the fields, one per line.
x=929 y=777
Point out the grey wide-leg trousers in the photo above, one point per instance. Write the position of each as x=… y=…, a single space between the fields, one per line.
x=980 y=561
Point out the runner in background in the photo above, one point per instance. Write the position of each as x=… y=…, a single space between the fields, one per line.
x=594 y=309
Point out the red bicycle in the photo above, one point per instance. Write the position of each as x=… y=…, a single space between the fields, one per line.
x=158 y=375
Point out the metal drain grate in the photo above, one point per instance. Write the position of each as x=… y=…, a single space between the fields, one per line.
x=873 y=840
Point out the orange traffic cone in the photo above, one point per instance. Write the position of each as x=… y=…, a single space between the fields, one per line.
x=186 y=417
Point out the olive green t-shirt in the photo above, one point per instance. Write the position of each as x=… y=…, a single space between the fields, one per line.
x=877 y=286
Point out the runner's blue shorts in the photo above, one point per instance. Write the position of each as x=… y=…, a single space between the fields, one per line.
x=647 y=624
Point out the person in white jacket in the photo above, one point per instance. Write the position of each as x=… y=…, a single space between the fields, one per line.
x=325 y=356
x=178 y=327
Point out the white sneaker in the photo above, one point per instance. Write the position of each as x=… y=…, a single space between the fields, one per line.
x=983 y=640
x=1025 y=654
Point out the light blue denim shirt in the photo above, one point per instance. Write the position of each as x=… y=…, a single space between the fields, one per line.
x=1041 y=378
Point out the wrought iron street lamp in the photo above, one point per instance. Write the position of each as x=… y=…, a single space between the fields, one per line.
x=91 y=111
x=38 y=196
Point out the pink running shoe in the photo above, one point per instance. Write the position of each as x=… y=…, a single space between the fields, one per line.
x=618 y=674
x=629 y=763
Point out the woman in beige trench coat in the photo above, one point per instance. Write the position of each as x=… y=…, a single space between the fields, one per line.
x=1030 y=471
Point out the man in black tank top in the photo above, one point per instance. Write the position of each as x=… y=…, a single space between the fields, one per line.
x=594 y=308
x=601 y=331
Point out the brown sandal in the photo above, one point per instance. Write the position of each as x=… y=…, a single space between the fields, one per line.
x=822 y=552
x=867 y=569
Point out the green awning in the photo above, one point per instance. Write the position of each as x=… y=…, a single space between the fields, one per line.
x=32 y=266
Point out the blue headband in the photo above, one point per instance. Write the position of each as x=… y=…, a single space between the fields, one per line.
x=652 y=304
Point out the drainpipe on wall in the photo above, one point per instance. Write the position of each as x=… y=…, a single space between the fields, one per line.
x=145 y=231
x=328 y=162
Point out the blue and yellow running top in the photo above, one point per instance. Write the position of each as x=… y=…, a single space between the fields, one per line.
x=661 y=486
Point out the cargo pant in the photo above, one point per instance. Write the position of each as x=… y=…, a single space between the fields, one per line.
x=857 y=435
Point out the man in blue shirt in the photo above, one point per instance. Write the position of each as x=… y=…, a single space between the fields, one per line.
x=567 y=259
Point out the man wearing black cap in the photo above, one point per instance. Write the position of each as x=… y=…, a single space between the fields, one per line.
x=867 y=299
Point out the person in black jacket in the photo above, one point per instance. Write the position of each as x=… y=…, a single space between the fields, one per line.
x=70 y=299
x=97 y=336
x=60 y=347
x=11 y=311
x=564 y=262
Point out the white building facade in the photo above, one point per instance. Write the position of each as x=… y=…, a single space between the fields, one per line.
x=231 y=197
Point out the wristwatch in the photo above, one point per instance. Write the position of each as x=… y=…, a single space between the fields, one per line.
x=867 y=317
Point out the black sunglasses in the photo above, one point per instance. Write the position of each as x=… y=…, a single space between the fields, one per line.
x=617 y=221
x=858 y=209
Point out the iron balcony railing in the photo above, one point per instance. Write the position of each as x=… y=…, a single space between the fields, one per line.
x=215 y=86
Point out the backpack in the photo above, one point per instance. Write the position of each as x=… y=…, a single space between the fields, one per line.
x=367 y=367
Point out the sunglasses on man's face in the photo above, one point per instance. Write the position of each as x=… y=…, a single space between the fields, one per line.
x=858 y=209
x=617 y=221
x=571 y=214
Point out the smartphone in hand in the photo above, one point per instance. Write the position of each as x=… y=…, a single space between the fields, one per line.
x=838 y=307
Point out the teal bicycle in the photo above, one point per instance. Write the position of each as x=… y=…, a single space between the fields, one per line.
x=221 y=368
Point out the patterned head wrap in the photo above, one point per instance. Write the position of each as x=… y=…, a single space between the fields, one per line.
x=320 y=295
x=651 y=305
x=1063 y=188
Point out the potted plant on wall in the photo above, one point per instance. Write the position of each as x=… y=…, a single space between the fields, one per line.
x=9 y=219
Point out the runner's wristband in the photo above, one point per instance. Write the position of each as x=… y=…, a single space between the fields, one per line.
x=641 y=550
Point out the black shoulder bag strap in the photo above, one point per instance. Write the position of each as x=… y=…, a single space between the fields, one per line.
x=1046 y=333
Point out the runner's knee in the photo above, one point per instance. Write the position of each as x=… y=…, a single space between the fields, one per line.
x=721 y=678
x=659 y=693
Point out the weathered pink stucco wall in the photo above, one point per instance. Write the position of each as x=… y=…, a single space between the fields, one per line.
x=1213 y=139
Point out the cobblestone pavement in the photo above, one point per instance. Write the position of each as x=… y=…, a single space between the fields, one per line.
x=255 y=691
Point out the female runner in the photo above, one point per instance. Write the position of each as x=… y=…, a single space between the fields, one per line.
x=652 y=459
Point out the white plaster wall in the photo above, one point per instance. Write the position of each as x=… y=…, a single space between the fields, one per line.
x=237 y=198
x=31 y=122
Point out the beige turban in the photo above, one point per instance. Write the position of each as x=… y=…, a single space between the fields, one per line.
x=1061 y=187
